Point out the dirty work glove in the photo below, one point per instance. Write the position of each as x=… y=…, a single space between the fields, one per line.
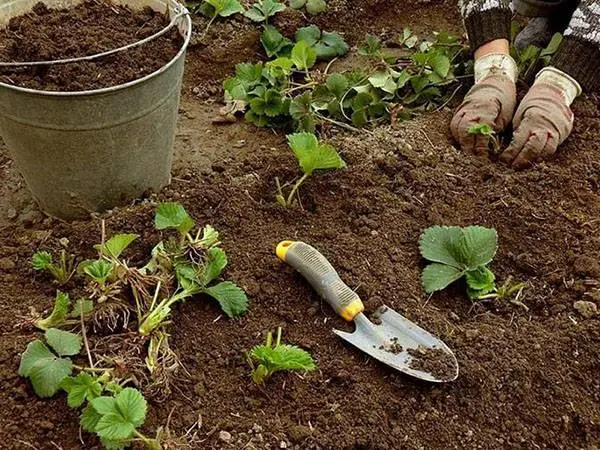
x=491 y=101
x=543 y=120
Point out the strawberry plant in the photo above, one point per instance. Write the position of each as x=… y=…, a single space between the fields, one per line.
x=215 y=8
x=64 y=312
x=262 y=10
x=483 y=129
x=197 y=262
x=282 y=92
x=271 y=357
x=311 y=155
x=62 y=271
x=312 y=6
x=457 y=252
x=532 y=58
x=114 y=417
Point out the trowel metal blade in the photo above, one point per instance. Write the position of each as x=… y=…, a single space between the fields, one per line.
x=381 y=341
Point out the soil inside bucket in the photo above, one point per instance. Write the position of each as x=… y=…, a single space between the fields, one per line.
x=91 y=27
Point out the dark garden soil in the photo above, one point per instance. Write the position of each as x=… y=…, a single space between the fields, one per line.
x=528 y=374
x=94 y=26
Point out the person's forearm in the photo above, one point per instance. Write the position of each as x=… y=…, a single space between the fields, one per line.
x=495 y=46
x=486 y=20
x=579 y=53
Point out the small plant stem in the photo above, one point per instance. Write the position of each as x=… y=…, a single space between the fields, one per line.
x=329 y=65
x=300 y=87
x=138 y=304
x=269 y=339
x=102 y=235
x=92 y=369
x=279 y=332
x=85 y=340
x=210 y=22
x=150 y=443
x=156 y=292
x=295 y=188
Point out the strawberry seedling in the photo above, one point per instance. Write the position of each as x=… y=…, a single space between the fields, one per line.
x=215 y=8
x=197 y=262
x=62 y=271
x=482 y=129
x=311 y=155
x=457 y=252
x=269 y=358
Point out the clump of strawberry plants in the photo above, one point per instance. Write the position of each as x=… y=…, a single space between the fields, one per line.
x=109 y=409
x=312 y=155
x=312 y=6
x=283 y=92
x=262 y=10
x=187 y=263
x=273 y=357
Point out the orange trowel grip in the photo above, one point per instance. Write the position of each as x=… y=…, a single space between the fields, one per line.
x=322 y=277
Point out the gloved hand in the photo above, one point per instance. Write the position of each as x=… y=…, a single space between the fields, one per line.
x=490 y=101
x=543 y=120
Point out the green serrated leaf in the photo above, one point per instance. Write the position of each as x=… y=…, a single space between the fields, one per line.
x=63 y=342
x=481 y=280
x=225 y=8
x=301 y=112
x=273 y=41
x=233 y=299
x=313 y=156
x=173 y=215
x=99 y=270
x=311 y=35
x=297 y=4
x=337 y=84
x=383 y=81
x=437 y=276
x=81 y=388
x=116 y=244
x=303 y=56
x=41 y=260
x=441 y=244
x=120 y=415
x=89 y=418
x=82 y=306
x=316 y=6
x=45 y=370
x=371 y=46
x=216 y=260
x=263 y=9
x=478 y=245
x=59 y=313
x=440 y=64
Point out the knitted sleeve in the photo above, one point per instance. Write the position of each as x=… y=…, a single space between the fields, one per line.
x=579 y=53
x=486 y=20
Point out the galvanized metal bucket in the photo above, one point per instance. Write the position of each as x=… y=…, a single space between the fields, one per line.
x=88 y=151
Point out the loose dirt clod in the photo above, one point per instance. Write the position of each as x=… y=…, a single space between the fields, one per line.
x=586 y=309
x=393 y=347
x=86 y=29
x=435 y=361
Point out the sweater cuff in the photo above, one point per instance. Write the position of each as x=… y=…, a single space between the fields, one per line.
x=485 y=26
x=581 y=60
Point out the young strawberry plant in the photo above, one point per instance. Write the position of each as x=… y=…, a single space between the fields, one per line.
x=271 y=357
x=215 y=8
x=197 y=262
x=62 y=271
x=457 y=252
x=262 y=10
x=487 y=131
x=311 y=155
x=532 y=58
x=64 y=312
x=114 y=417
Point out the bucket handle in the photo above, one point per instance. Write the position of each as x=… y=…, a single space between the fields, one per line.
x=173 y=23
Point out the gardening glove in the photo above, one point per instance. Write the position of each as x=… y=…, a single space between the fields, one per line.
x=491 y=101
x=543 y=120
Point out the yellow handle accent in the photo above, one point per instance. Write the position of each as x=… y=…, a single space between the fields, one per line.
x=282 y=249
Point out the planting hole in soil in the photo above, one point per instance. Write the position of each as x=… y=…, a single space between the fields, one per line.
x=209 y=340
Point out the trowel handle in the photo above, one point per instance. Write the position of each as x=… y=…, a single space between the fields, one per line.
x=322 y=277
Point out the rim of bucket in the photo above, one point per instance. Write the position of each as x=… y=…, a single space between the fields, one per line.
x=188 y=35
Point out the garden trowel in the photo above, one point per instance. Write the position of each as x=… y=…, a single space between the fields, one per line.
x=392 y=339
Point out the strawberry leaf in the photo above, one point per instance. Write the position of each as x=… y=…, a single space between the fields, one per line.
x=81 y=388
x=116 y=244
x=45 y=370
x=173 y=215
x=63 y=342
x=59 y=313
x=233 y=300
